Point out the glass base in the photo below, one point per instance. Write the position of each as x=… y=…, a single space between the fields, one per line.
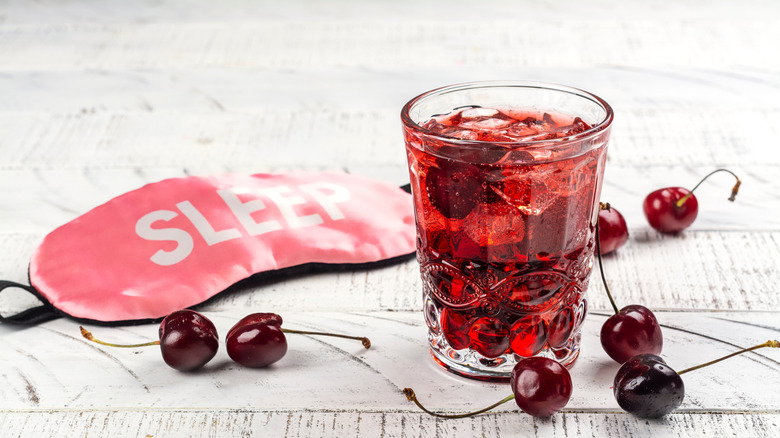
x=469 y=363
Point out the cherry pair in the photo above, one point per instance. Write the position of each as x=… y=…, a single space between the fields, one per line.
x=634 y=329
x=648 y=388
x=644 y=386
x=189 y=340
x=668 y=210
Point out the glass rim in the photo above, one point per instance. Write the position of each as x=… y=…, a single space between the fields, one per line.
x=483 y=144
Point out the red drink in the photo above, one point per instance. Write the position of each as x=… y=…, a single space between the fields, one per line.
x=506 y=203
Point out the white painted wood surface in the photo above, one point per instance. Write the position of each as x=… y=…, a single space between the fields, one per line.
x=98 y=98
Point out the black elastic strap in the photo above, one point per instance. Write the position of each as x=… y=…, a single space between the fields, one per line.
x=34 y=315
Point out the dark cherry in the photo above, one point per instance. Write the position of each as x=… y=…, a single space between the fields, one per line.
x=489 y=337
x=631 y=331
x=453 y=188
x=455 y=326
x=541 y=386
x=188 y=340
x=673 y=209
x=665 y=215
x=258 y=340
x=258 y=318
x=613 y=230
x=528 y=336
x=647 y=387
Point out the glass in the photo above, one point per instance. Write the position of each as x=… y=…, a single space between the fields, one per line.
x=506 y=179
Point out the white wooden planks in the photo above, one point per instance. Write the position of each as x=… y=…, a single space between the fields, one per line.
x=373 y=43
x=332 y=387
x=101 y=98
x=339 y=424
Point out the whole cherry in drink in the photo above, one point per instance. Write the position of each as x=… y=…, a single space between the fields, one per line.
x=506 y=203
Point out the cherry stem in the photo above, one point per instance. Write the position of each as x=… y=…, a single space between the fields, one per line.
x=88 y=336
x=770 y=344
x=365 y=341
x=411 y=396
x=734 y=190
x=604 y=206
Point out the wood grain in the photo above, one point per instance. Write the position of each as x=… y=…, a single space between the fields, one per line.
x=339 y=424
x=345 y=139
x=374 y=43
x=101 y=98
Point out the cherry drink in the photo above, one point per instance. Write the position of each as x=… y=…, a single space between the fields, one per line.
x=506 y=179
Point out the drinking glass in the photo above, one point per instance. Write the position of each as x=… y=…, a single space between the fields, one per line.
x=505 y=178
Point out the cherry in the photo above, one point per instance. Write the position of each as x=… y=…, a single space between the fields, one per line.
x=188 y=340
x=631 y=330
x=614 y=231
x=489 y=337
x=258 y=340
x=673 y=209
x=528 y=336
x=453 y=188
x=647 y=387
x=456 y=327
x=540 y=387
x=663 y=212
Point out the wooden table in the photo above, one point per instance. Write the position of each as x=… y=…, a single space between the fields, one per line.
x=98 y=98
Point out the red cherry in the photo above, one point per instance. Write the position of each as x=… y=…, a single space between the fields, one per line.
x=455 y=327
x=541 y=386
x=613 y=230
x=188 y=340
x=631 y=330
x=528 y=336
x=489 y=337
x=258 y=340
x=560 y=328
x=663 y=212
x=634 y=330
x=258 y=318
x=453 y=188
x=674 y=209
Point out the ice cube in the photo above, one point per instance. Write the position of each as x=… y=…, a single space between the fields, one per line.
x=494 y=223
x=435 y=126
x=478 y=112
x=484 y=119
x=527 y=193
x=532 y=129
x=463 y=134
x=576 y=127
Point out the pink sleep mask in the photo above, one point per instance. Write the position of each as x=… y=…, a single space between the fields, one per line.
x=176 y=243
